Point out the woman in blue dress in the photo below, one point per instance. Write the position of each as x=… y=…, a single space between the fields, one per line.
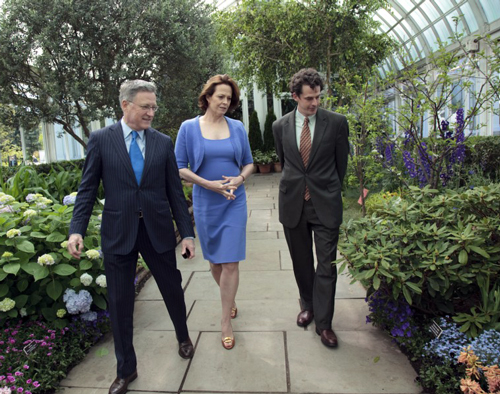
x=214 y=154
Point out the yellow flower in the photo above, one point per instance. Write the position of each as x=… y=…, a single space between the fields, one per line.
x=92 y=254
x=61 y=313
x=7 y=255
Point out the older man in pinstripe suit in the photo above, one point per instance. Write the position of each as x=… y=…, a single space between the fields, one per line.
x=143 y=190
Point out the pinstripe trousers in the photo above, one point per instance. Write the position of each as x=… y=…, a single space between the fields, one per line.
x=120 y=275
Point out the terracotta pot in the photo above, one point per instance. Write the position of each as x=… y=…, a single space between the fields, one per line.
x=277 y=167
x=265 y=168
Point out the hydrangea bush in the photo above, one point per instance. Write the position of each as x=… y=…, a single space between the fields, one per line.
x=37 y=274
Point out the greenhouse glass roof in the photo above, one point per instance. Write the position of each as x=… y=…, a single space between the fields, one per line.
x=419 y=25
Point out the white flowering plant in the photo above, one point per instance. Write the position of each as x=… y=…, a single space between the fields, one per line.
x=36 y=269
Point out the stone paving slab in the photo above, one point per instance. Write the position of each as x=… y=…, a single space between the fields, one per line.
x=365 y=362
x=255 y=364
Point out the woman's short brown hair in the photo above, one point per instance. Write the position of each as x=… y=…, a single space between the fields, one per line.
x=209 y=89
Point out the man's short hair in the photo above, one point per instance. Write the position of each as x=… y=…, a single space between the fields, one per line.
x=130 y=88
x=306 y=76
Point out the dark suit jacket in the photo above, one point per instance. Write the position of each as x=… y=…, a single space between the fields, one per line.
x=325 y=171
x=159 y=195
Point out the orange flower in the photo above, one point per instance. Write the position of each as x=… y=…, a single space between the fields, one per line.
x=469 y=386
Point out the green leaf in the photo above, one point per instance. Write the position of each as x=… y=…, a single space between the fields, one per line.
x=376 y=359
x=21 y=300
x=49 y=314
x=3 y=274
x=12 y=268
x=22 y=285
x=480 y=251
x=40 y=272
x=64 y=269
x=25 y=246
x=37 y=234
x=414 y=287
x=376 y=282
x=54 y=290
x=100 y=301
x=85 y=265
x=56 y=237
x=463 y=257
x=101 y=352
x=407 y=295
x=60 y=323
x=4 y=289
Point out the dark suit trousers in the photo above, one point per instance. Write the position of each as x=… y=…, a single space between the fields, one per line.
x=120 y=275
x=316 y=287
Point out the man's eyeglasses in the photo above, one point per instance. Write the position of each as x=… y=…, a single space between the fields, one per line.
x=146 y=108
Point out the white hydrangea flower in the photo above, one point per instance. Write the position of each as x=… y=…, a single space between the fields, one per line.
x=64 y=244
x=29 y=213
x=92 y=254
x=86 y=279
x=46 y=259
x=23 y=312
x=101 y=280
x=61 y=313
x=6 y=198
x=13 y=232
x=7 y=304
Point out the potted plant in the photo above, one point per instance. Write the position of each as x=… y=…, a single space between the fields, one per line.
x=276 y=162
x=263 y=160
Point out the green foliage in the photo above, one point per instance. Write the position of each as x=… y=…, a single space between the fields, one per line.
x=435 y=250
x=268 y=132
x=55 y=184
x=254 y=132
x=260 y=157
x=376 y=201
x=483 y=154
x=271 y=40
x=35 y=266
x=71 y=58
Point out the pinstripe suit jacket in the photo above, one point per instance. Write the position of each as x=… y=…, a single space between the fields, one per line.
x=159 y=195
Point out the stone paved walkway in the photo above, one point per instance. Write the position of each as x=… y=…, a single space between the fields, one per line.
x=272 y=354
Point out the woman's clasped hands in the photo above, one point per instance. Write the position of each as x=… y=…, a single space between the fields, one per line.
x=225 y=186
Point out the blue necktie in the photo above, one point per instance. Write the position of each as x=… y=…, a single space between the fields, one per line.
x=136 y=157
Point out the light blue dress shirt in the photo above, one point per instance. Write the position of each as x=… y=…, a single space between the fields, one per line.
x=127 y=135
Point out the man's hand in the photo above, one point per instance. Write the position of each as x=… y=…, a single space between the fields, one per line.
x=75 y=245
x=188 y=243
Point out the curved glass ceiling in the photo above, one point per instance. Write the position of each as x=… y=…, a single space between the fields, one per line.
x=419 y=25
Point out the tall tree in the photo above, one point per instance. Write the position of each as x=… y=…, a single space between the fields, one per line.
x=62 y=61
x=272 y=39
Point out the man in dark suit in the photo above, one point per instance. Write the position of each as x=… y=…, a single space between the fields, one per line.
x=312 y=144
x=143 y=190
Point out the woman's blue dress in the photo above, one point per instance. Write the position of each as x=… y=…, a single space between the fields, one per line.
x=221 y=223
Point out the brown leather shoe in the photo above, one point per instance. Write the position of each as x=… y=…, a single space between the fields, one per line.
x=186 y=349
x=120 y=385
x=328 y=337
x=304 y=318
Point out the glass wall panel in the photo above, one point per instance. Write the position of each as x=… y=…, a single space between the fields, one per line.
x=419 y=19
x=407 y=5
x=491 y=9
x=432 y=40
x=470 y=19
x=444 y=5
x=444 y=33
x=384 y=14
x=401 y=32
x=407 y=26
x=429 y=10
